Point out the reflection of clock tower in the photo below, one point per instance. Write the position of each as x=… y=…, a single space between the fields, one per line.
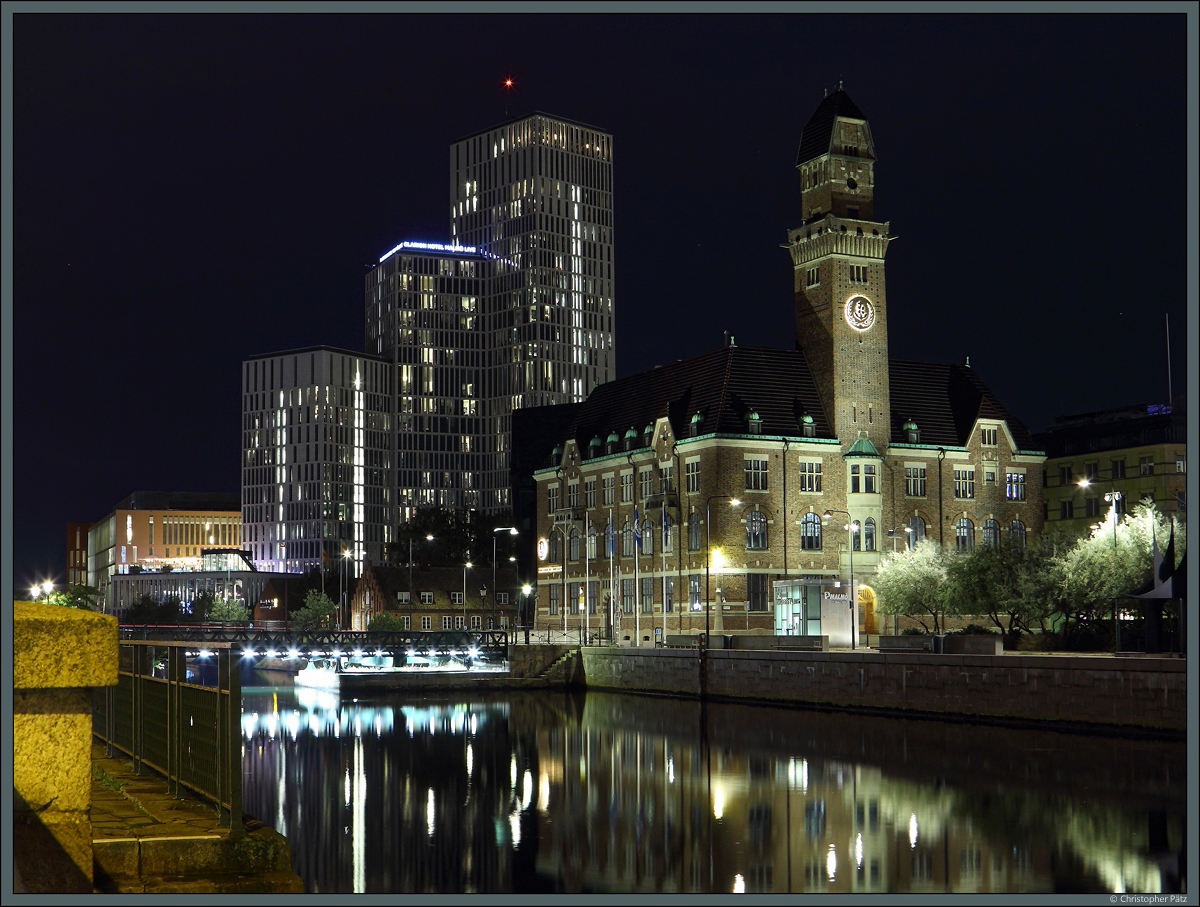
x=837 y=253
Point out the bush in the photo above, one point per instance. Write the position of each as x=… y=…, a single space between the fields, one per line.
x=385 y=623
x=913 y=631
x=973 y=630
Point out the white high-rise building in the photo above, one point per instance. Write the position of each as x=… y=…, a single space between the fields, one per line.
x=317 y=456
x=535 y=196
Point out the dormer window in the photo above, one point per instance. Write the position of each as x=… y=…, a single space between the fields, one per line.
x=613 y=441
x=631 y=438
x=808 y=427
x=753 y=423
x=594 y=447
x=912 y=434
x=697 y=426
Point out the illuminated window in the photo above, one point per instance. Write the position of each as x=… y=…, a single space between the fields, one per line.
x=1014 y=486
x=964 y=534
x=964 y=483
x=626 y=487
x=917 y=525
x=810 y=532
x=810 y=477
x=756 y=474
x=868 y=535
x=756 y=530
x=694 y=532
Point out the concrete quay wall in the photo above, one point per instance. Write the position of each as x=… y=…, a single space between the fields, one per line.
x=1133 y=693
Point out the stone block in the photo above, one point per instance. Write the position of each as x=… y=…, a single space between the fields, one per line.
x=57 y=647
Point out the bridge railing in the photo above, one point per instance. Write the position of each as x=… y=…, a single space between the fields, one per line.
x=486 y=644
x=177 y=711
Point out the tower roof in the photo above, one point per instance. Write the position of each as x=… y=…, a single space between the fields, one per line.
x=817 y=138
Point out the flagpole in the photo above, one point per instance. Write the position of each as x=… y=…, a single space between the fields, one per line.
x=637 y=586
x=612 y=585
x=587 y=529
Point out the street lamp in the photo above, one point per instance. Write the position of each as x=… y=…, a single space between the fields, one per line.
x=511 y=530
x=346 y=554
x=466 y=567
x=1112 y=497
x=851 y=527
x=907 y=533
x=428 y=538
x=525 y=590
x=733 y=502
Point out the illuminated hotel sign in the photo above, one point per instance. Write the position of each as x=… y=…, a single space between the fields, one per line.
x=431 y=247
x=550 y=568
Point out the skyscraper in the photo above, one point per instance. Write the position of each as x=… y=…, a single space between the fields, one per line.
x=535 y=196
x=316 y=458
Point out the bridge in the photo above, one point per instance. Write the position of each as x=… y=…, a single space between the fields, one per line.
x=337 y=646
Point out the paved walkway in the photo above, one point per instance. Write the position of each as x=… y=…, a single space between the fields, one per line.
x=142 y=807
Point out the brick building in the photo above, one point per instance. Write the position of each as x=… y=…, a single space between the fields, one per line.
x=437 y=598
x=834 y=451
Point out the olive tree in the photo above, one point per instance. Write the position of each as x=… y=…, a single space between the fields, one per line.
x=913 y=583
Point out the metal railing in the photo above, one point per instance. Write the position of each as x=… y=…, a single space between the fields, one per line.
x=178 y=712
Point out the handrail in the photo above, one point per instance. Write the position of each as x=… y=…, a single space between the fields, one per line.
x=180 y=718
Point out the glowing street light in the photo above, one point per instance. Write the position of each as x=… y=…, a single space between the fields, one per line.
x=511 y=530
x=1113 y=497
x=733 y=502
x=466 y=567
x=852 y=528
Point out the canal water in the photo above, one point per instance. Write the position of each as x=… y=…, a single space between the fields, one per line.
x=554 y=792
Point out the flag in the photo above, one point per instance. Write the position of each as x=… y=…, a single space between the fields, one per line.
x=608 y=537
x=637 y=528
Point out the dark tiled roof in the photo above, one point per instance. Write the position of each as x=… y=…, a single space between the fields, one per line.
x=723 y=386
x=945 y=400
x=442 y=579
x=818 y=133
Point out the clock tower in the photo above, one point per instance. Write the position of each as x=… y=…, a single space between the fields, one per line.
x=837 y=254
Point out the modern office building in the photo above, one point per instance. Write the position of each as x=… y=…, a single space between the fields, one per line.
x=535 y=196
x=763 y=486
x=317 y=458
x=1138 y=452
x=424 y=310
x=77 y=548
x=153 y=532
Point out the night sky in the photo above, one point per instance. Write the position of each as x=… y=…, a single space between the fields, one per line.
x=192 y=190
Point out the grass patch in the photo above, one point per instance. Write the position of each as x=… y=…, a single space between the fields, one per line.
x=106 y=779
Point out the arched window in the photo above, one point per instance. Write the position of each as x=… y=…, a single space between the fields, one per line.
x=591 y=543
x=964 y=534
x=554 y=553
x=856 y=535
x=991 y=533
x=917 y=525
x=647 y=537
x=1016 y=533
x=810 y=532
x=668 y=540
x=869 y=535
x=694 y=532
x=573 y=546
x=626 y=540
x=756 y=530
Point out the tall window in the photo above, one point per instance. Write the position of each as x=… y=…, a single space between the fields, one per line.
x=1066 y=509
x=552 y=498
x=627 y=596
x=964 y=534
x=691 y=476
x=756 y=591
x=552 y=597
x=914 y=481
x=869 y=478
x=1064 y=475
x=668 y=593
x=607 y=484
x=756 y=475
x=991 y=533
x=626 y=540
x=668 y=540
x=590 y=493
x=869 y=535
x=573 y=494
x=647 y=537
x=856 y=535
x=694 y=591
x=1016 y=533
x=855 y=478
x=810 y=477
x=1146 y=466
x=626 y=487
x=694 y=532
x=553 y=554
x=647 y=595
x=646 y=482
x=810 y=532
x=964 y=483
x=1118 y=468
x=574 y=545
x=756 y=530
x=917 y=525
x=1091 y=506
x=591 y=543
x=988 y=437
x=426 y=622
x=666 y=478
x=1014 y=486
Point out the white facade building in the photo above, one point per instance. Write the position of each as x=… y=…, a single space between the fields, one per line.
x=316 y=459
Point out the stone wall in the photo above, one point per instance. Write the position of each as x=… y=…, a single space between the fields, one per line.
x=59 y=655
x=1077 y=690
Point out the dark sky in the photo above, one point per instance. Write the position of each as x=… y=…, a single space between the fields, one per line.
x=192 y=190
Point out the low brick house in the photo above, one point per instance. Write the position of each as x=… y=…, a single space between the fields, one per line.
x=438 y=598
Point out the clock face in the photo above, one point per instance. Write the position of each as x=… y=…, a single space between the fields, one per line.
x=543 y=549
x=860 y=314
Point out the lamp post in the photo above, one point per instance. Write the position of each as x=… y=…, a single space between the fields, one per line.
x=346 y=554
x=733 y=502
x=851 y=527
x=428 y=538
x=466 y=567
x=525 y=590
x=907 y=533
x=511 y=530
x=1112 y=497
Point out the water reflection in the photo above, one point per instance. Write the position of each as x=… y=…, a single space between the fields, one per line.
x=549 y=792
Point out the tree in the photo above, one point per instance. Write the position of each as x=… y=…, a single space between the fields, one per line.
x=913 y=583
x=318 y=611
x=386 y=622
x=1007 y=584
x=84 y=598
x=228 y=609
x=202 y=604
x=143 y=611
